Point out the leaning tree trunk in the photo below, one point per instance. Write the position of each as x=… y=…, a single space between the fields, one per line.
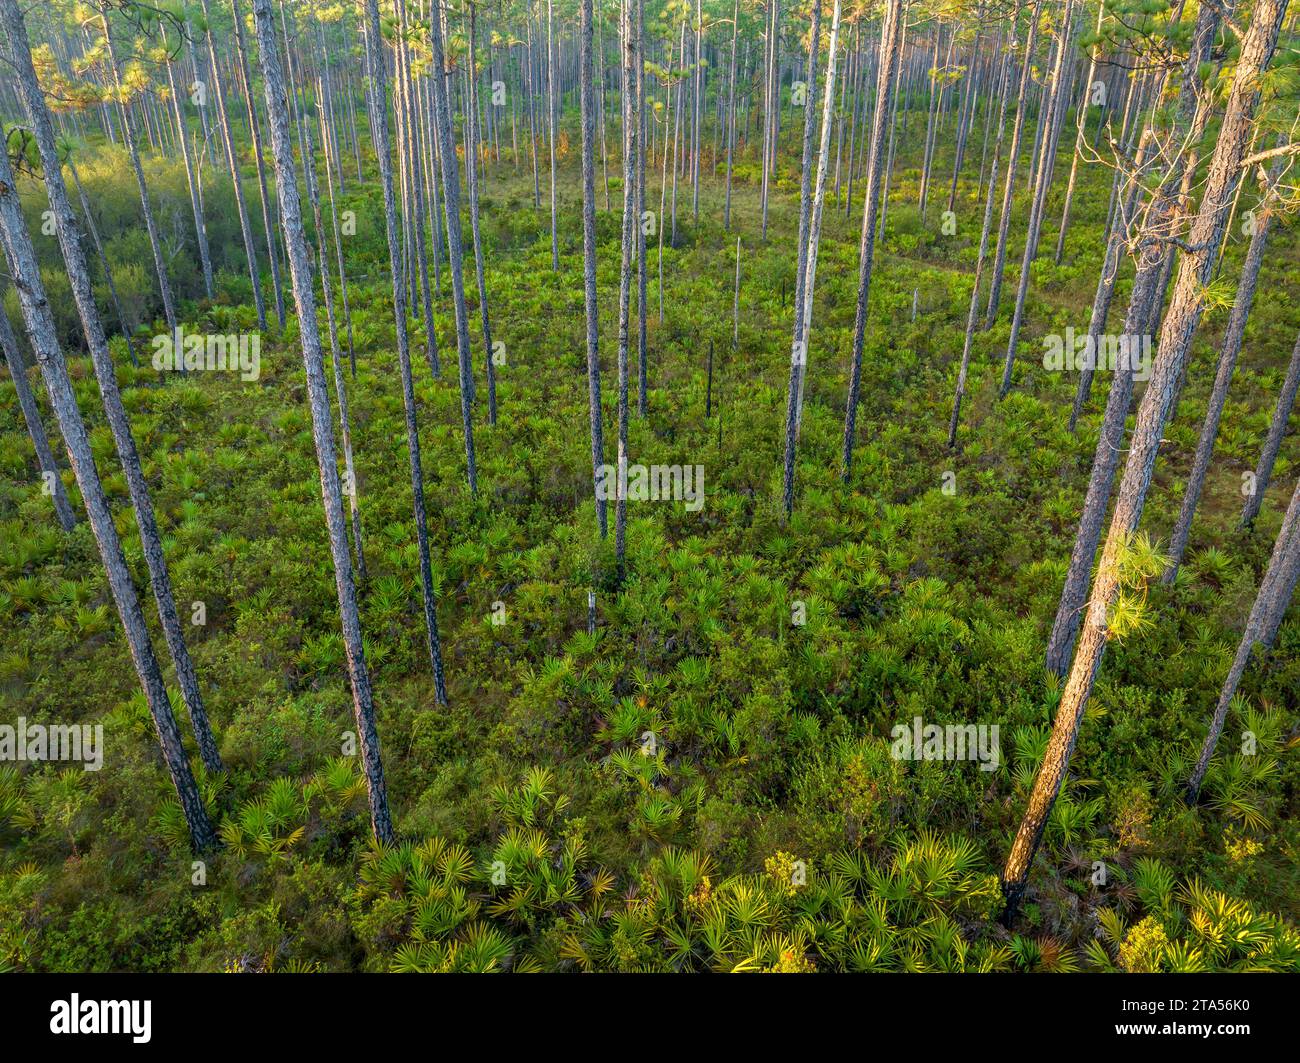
x=22 y=262
x=1184 y=314
x=1138 y=322
x=53 y=481
x=78 y=272
x=322 y=423
x=1276 y=430
x=1223 y=378
x=1271 y=601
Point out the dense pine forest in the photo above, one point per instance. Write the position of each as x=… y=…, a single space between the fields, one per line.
x=649 y=485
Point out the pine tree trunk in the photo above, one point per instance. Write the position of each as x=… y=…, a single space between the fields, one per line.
x=322 y=424
x=551 y=107
x=1185 y=309
x=21 y=258
x=890 y=41
x=972 y=311
x=471 y=168
x=196 y=207
x=1051 y=104
x=1013 y=164
x=78 y=272
x=1271 y=601
x=35 y=427
x=255 y=133
x=1231 y=348
x=455 y=245
x=128 y=129
x=378 y=75
x=589 y=100
x=1139 y=322
x=731 y=116
x=630 y=151
x=1273 y=442
x=808 y=255
x=232 y=157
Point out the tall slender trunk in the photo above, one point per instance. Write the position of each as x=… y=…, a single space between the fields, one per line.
x=378 y=76
x=128 y=131
x=551 y=107
x=808 y=254
x=455 y=244
x=1185 y=308
x=630 y=148
x=232 y=157
x=196 y=206
x=78 y=272
x=1051 y=104
x=1273 y=442
x=731 y=115
x=798 y=371
x=255 y=133
x=890 y=42
x=322 y=424
x=1094 y=54
x=972 y=312
x=21 y=258
x=471 y=169
x=53 y=480
x=1013 y=163
x=1231 y=348
x=1271 y=601
x=588 y=91
x=1189 y=125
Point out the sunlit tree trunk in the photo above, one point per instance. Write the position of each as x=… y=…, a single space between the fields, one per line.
x=1185 y=308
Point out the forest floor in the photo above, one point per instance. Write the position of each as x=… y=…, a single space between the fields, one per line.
x=928 y=586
